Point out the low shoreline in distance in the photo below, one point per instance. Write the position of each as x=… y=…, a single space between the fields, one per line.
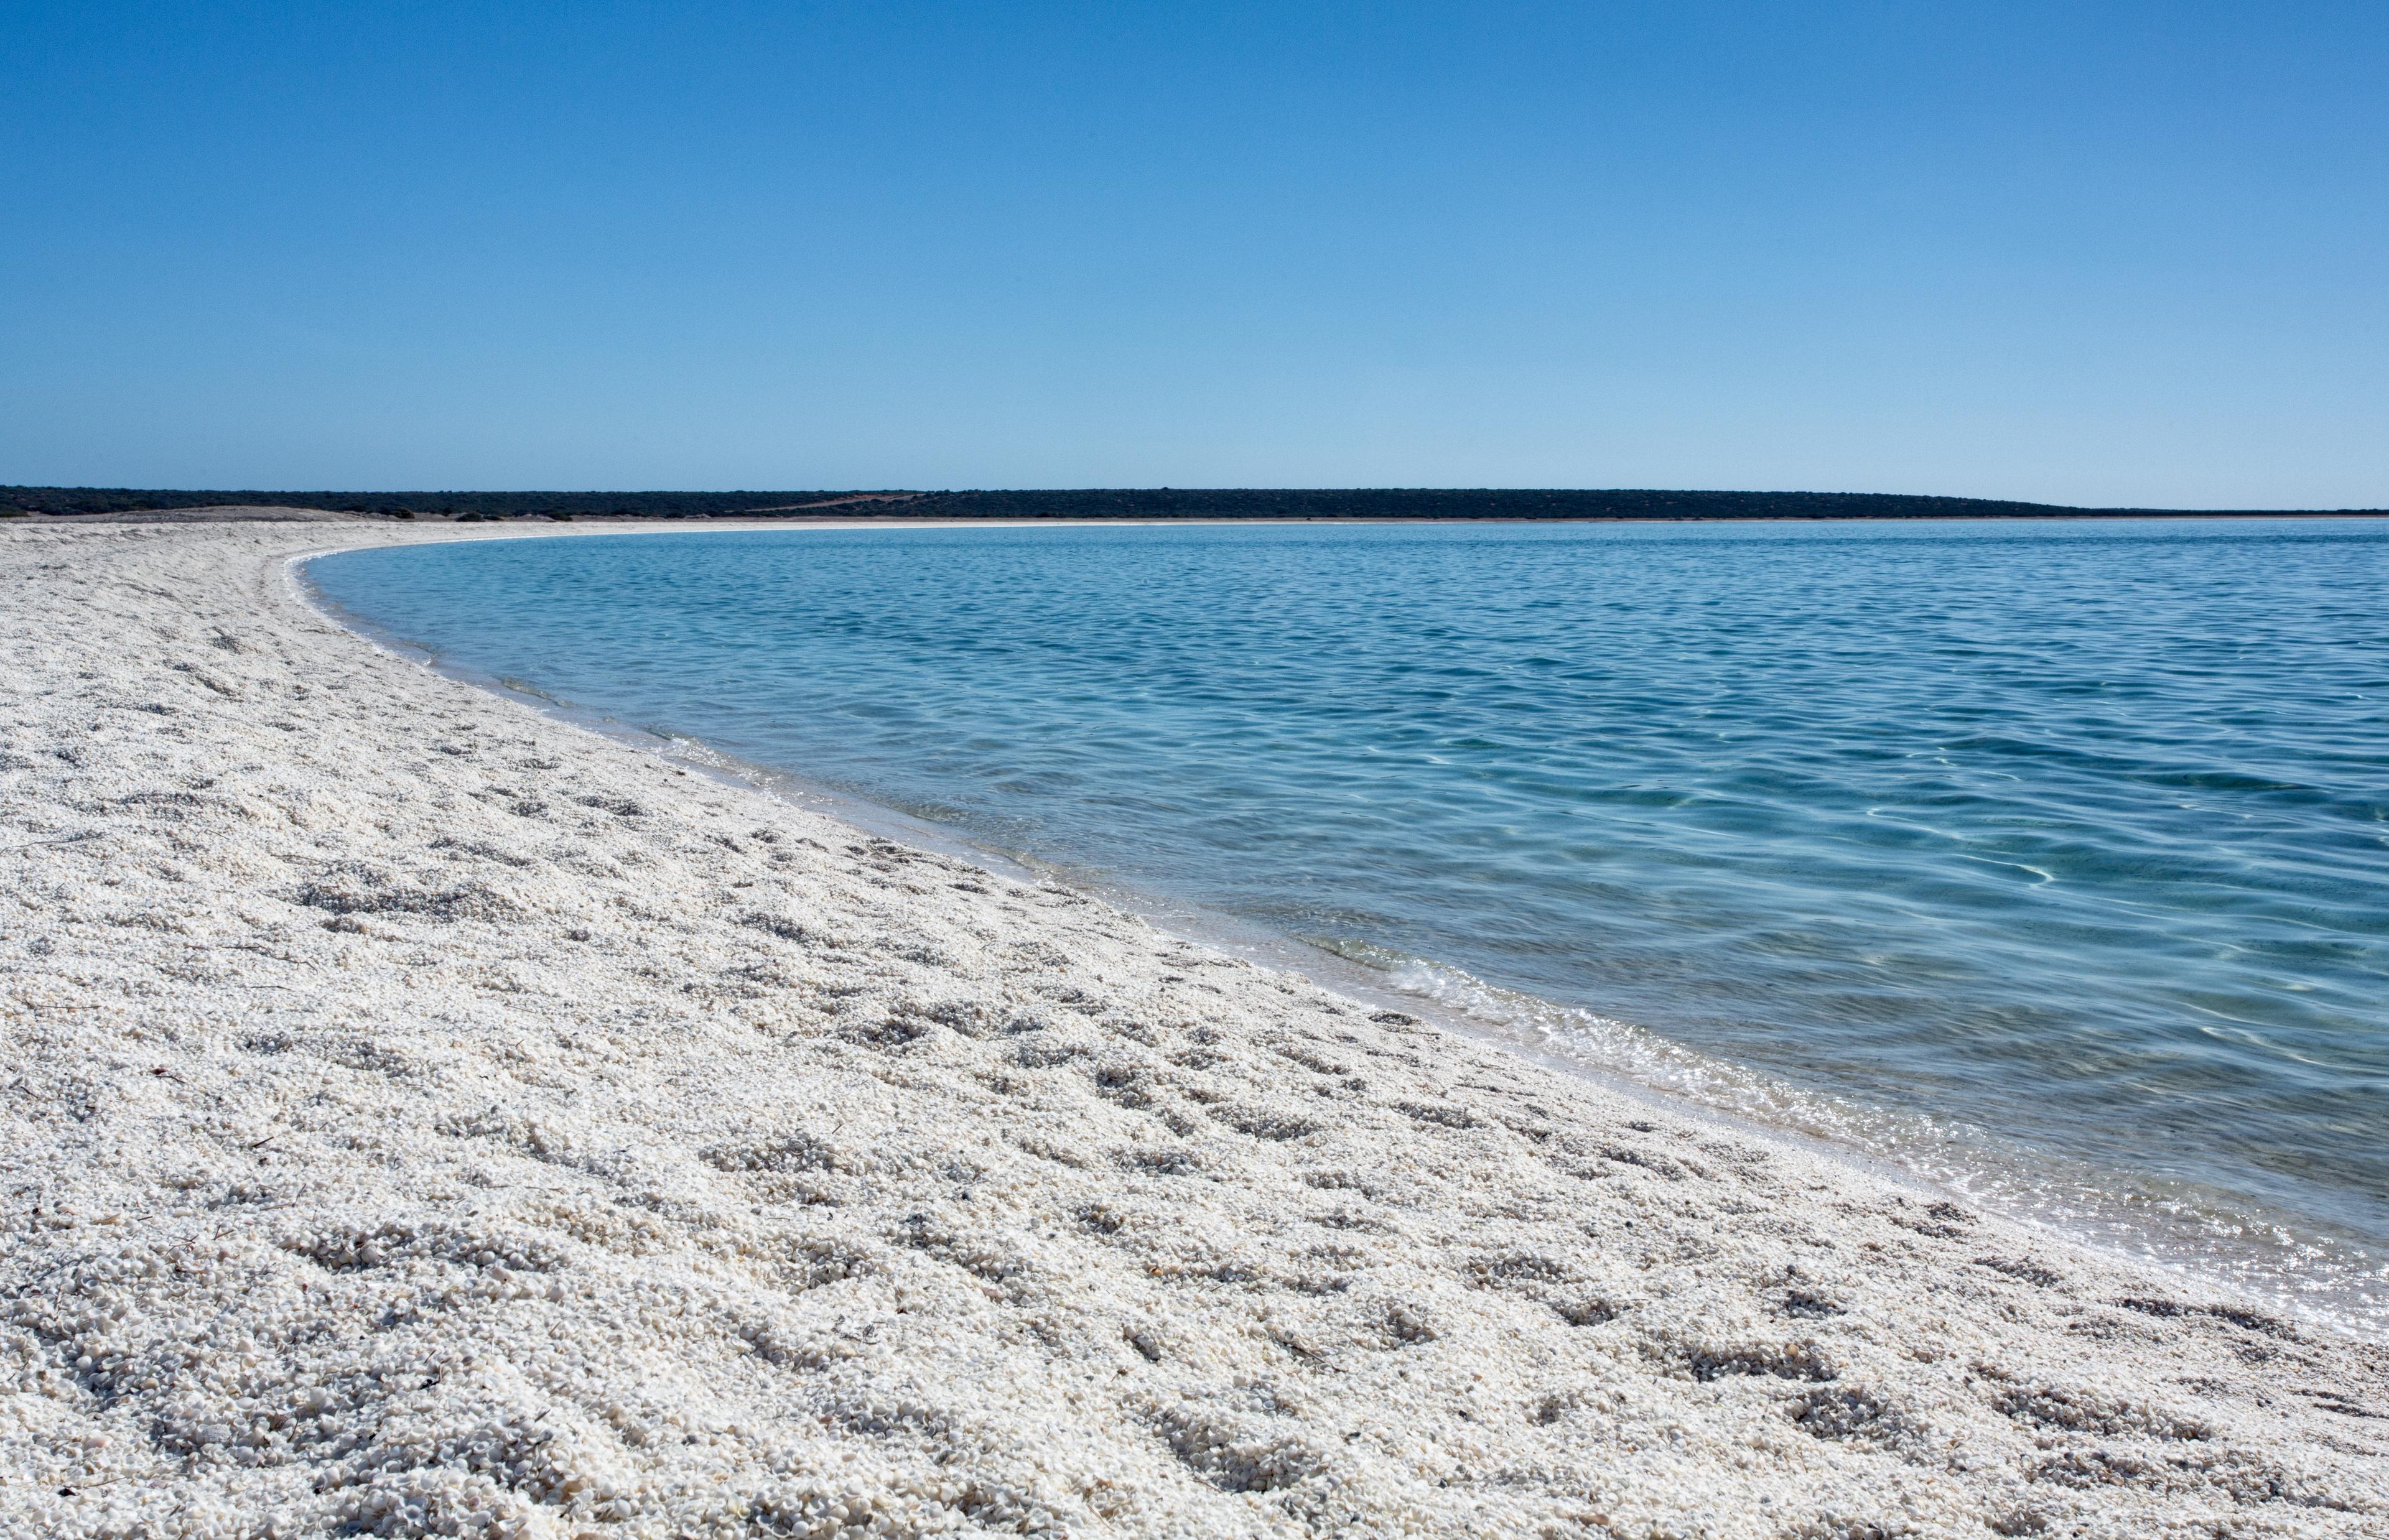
x=1141 y=503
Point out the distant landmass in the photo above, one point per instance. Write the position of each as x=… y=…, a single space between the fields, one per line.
x=1147 y=502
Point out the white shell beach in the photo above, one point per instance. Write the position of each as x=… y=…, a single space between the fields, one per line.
x=425 y=1116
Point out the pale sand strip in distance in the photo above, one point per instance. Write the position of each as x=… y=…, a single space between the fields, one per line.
x=425 y=1116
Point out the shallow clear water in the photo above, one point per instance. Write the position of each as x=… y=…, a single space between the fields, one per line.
x=2051 y=860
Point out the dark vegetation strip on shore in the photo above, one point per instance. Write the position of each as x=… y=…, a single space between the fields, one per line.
x=1162 y=503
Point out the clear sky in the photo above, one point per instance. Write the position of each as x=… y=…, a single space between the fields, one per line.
x=2098 y=253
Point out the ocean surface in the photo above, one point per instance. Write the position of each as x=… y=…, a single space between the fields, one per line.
x=2047 y=861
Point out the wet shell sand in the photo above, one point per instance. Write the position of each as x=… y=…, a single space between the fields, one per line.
x=424 y=1116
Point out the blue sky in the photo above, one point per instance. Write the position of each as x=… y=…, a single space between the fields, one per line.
x=2108 y=254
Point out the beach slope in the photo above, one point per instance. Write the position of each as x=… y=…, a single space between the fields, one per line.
x=426 y=1117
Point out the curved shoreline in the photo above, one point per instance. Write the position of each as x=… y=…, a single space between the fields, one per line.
x=2296 y=1264
x=1314 y=965
x=535 y=1140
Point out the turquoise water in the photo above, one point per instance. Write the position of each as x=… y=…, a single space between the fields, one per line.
x=2048 y=861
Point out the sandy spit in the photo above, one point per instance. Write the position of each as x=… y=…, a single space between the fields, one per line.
x=425 y=1117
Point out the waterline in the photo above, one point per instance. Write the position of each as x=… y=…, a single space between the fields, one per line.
x=2046 y=862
